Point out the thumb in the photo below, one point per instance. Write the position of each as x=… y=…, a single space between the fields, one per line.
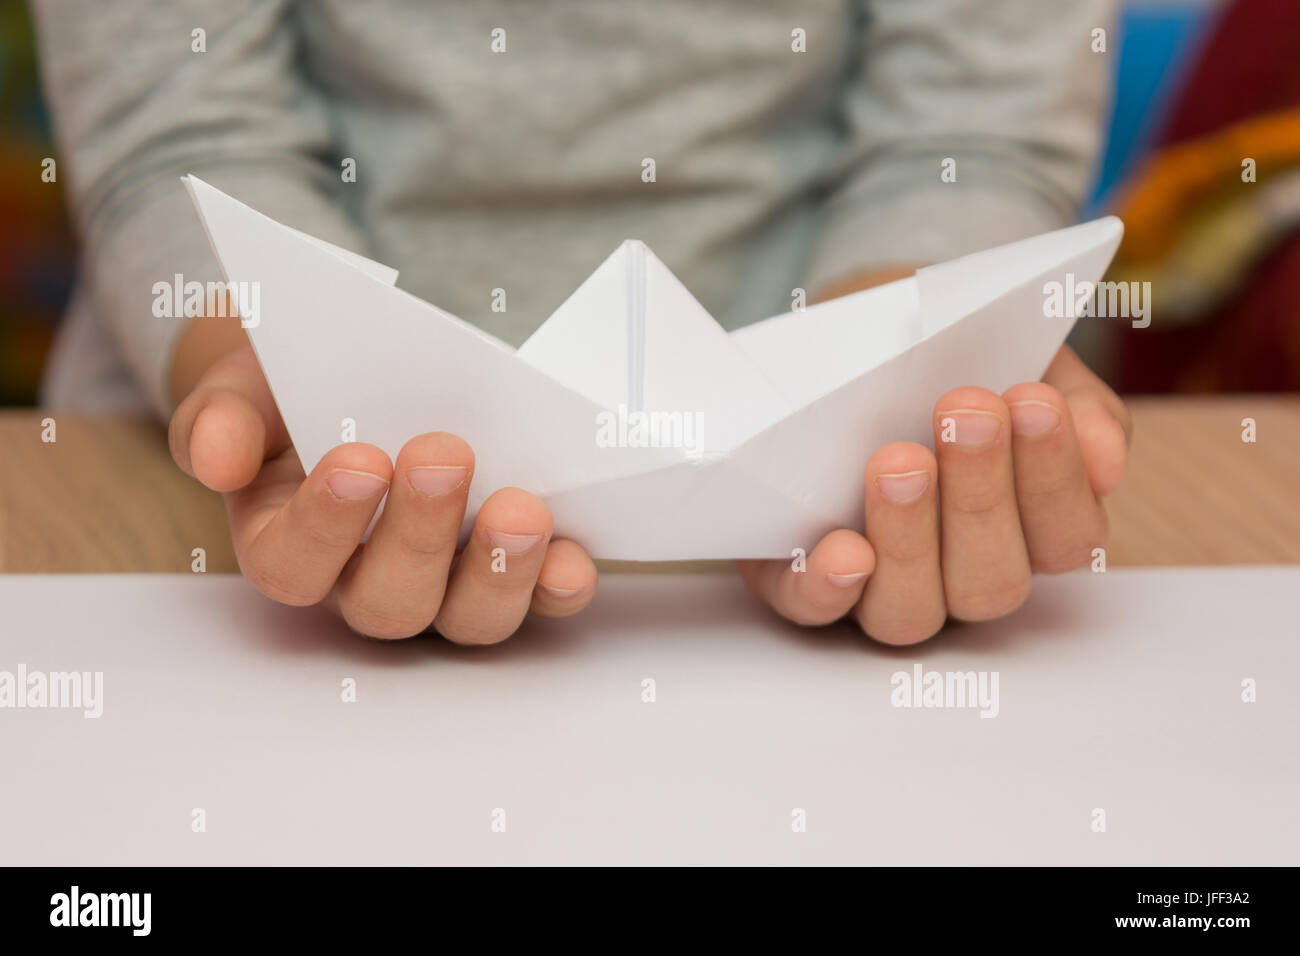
x=228 y=425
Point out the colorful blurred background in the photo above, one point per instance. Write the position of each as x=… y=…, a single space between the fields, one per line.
x=37 y=252
x=1201 y=87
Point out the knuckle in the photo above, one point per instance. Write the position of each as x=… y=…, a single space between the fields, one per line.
x=278 y=586
x=1061 y=561
x=427 y=545
x=1060 y=555
x=977 y=501
x=814 y=612
x=907 y=550
x=990 y=602
x=1048 y=487
x=471 y=634
x=513 y=580
x=325 y=536
x=370 y=621
x=902 y=630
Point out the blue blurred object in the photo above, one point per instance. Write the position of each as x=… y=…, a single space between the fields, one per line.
x=1156 y=40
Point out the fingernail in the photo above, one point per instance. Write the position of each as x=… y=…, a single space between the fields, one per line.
x=970 y=427
x=1032 y=418
x=354 y=485
x=558 y=592
x=435 y=480
x=512 y=543
x=845 y=580
x=904 y=487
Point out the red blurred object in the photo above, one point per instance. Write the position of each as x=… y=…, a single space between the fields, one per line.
x=1248 y=67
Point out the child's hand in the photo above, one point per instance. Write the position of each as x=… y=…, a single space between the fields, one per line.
x=959 y=533
x=298 y=538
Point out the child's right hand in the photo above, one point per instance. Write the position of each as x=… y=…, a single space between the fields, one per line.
x=298 y=537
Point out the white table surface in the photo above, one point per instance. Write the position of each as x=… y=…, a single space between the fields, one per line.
x=1119 y=691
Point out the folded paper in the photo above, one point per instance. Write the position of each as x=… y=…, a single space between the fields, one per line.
x=649 y=431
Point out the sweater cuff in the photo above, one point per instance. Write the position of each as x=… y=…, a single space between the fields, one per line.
x=924 y=225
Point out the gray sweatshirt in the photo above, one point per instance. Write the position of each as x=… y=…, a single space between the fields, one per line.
x=504 y=144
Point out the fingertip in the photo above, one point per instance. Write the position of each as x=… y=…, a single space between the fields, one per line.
x=1103 y=444
x=843 y=557
x=1107 y=461
x=515 y=511
x=437 y=465
x=567 y=581
x=968 y=397
x=908 y=633
x=831 y=583
x=900 y=458
x=226 y=442
x=352 y=472
x=970 y=421
x=442 y=448
x=1035 y=392
x=567 y=567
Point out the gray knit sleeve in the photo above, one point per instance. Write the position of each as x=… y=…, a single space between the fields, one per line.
x=1010 y=92
x=142 y=93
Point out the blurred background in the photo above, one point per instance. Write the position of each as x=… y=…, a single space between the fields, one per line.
x=1201 y=86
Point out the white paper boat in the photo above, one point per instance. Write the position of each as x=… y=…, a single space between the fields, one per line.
x=753 y=443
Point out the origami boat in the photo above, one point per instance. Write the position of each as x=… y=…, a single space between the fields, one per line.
x=649 y=431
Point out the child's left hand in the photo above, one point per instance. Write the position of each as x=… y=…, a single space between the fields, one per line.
x=960 y=532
